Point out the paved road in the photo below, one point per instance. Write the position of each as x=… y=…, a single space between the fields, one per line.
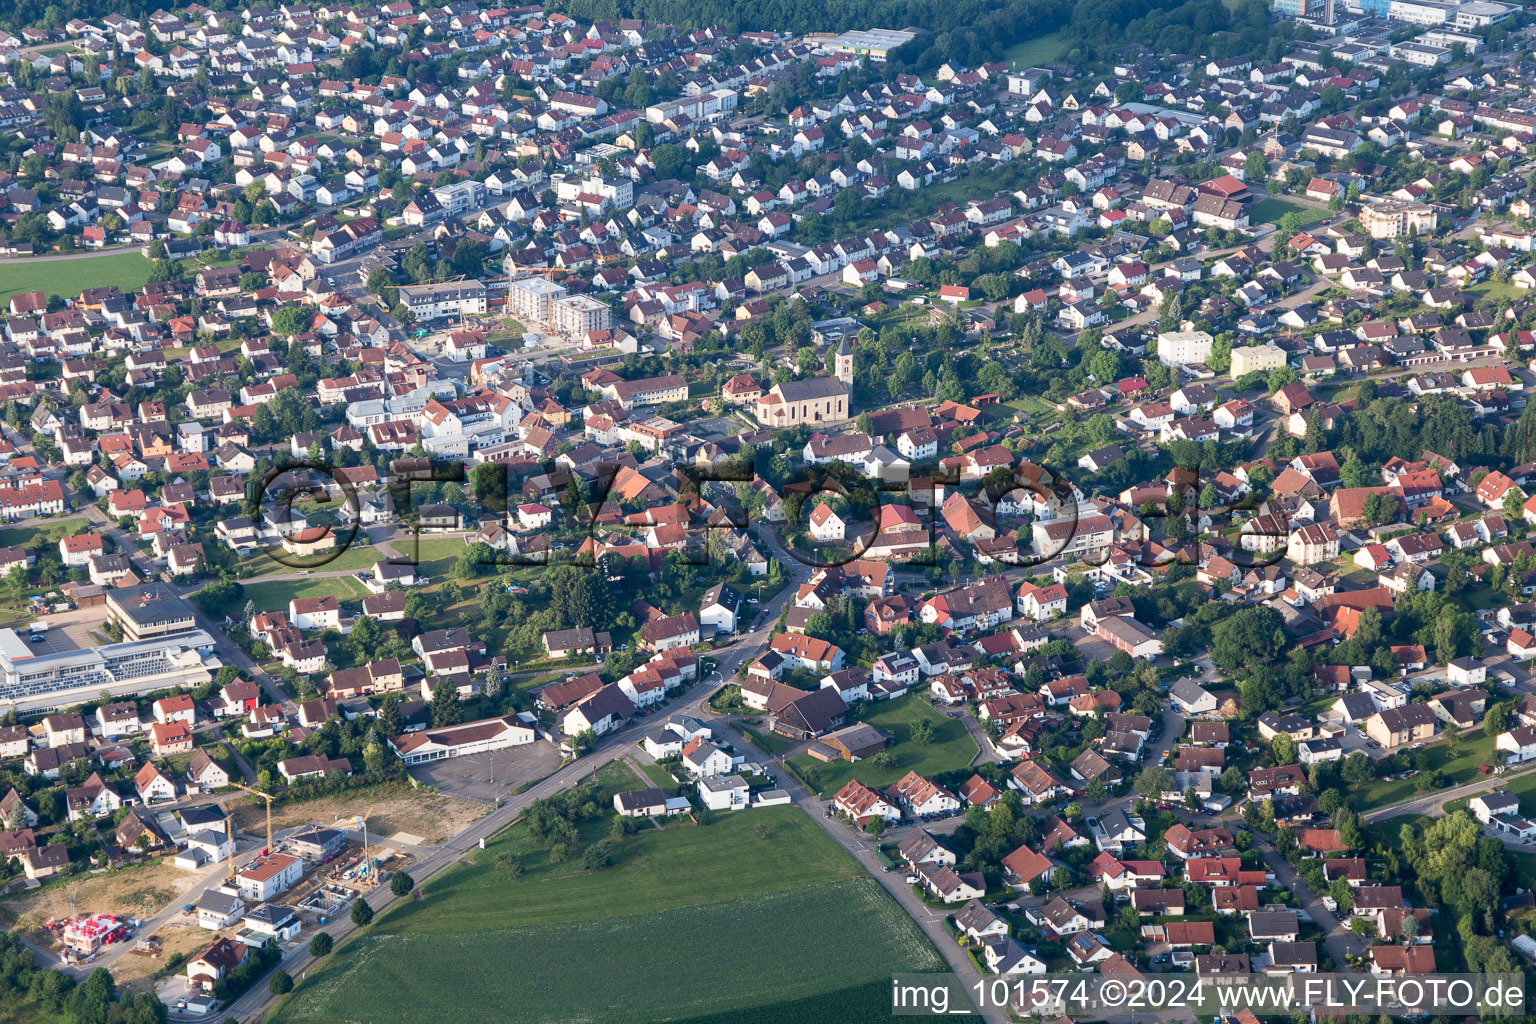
x=1432 y=804
x=1339 y=941
x=228 y=652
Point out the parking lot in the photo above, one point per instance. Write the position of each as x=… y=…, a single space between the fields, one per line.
x=490 y=777
x=67 y=630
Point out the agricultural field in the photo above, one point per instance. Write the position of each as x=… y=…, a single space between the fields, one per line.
x=729 y=956
x=725 y=895
x=66 y=278
x=951 y=748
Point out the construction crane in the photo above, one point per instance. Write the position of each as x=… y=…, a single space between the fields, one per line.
x=547 y=322
x=359 y=823
x=269 y=798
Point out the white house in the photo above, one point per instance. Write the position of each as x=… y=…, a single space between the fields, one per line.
x=724 y=792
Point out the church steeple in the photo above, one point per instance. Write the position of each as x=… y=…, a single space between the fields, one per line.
x=844 y=364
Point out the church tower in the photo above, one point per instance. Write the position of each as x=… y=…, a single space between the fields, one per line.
x=845 y=363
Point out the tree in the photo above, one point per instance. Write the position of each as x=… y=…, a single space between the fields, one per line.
x=922 y=732
x=1256 y=167
x=580 y=597
x=401 y=883
x=281 y=983
x=1152 y=782
x=390 y=721
x=16 y=820
x=17 y=585
x=1249 y=637
x=320 y=945
x=290 y=320
x=1356 y=769
x=1496 y=720
x=444 y=708
x=362 y=913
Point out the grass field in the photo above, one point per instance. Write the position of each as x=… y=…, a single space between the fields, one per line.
x=1459 y=767
x=1036 y=51
x=434 y=555
x=43 y=534
x=950 y=749
x=669 y=964
x=1269 y=211
x=275 y=594
x=689 y=922
x=768 y=741
x=66 y=278
x=1501 y=291
x=358 y=556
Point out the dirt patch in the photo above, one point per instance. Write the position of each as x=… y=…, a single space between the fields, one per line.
x=138 y=891
x=134 y=970
x=435 y=817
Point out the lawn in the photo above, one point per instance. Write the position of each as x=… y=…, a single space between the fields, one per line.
x=1269 y=211
x=357 y=556
x=658 y=776
x=66 y=278
x=710 y=905
x=1459 y=767
x=1501 y=291
x=41 y=535
x=1036 y=51
x=275 y=594
x=434 y=555
x=951 y=748
x=768 y=741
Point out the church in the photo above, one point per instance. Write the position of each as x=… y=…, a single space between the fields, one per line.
x=819 y=400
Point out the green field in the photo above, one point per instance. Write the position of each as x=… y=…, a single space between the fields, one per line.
x=951 y=748
x=1459 y=766
x=41 y=535
x=358 y=556
x=434 y=555
x=66 y=278
x=1036 y=51
x=274 y=595
x=689 y=922
x=672 y=964
x=1269 y=211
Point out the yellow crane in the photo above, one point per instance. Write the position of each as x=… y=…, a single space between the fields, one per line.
x=269 y=798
